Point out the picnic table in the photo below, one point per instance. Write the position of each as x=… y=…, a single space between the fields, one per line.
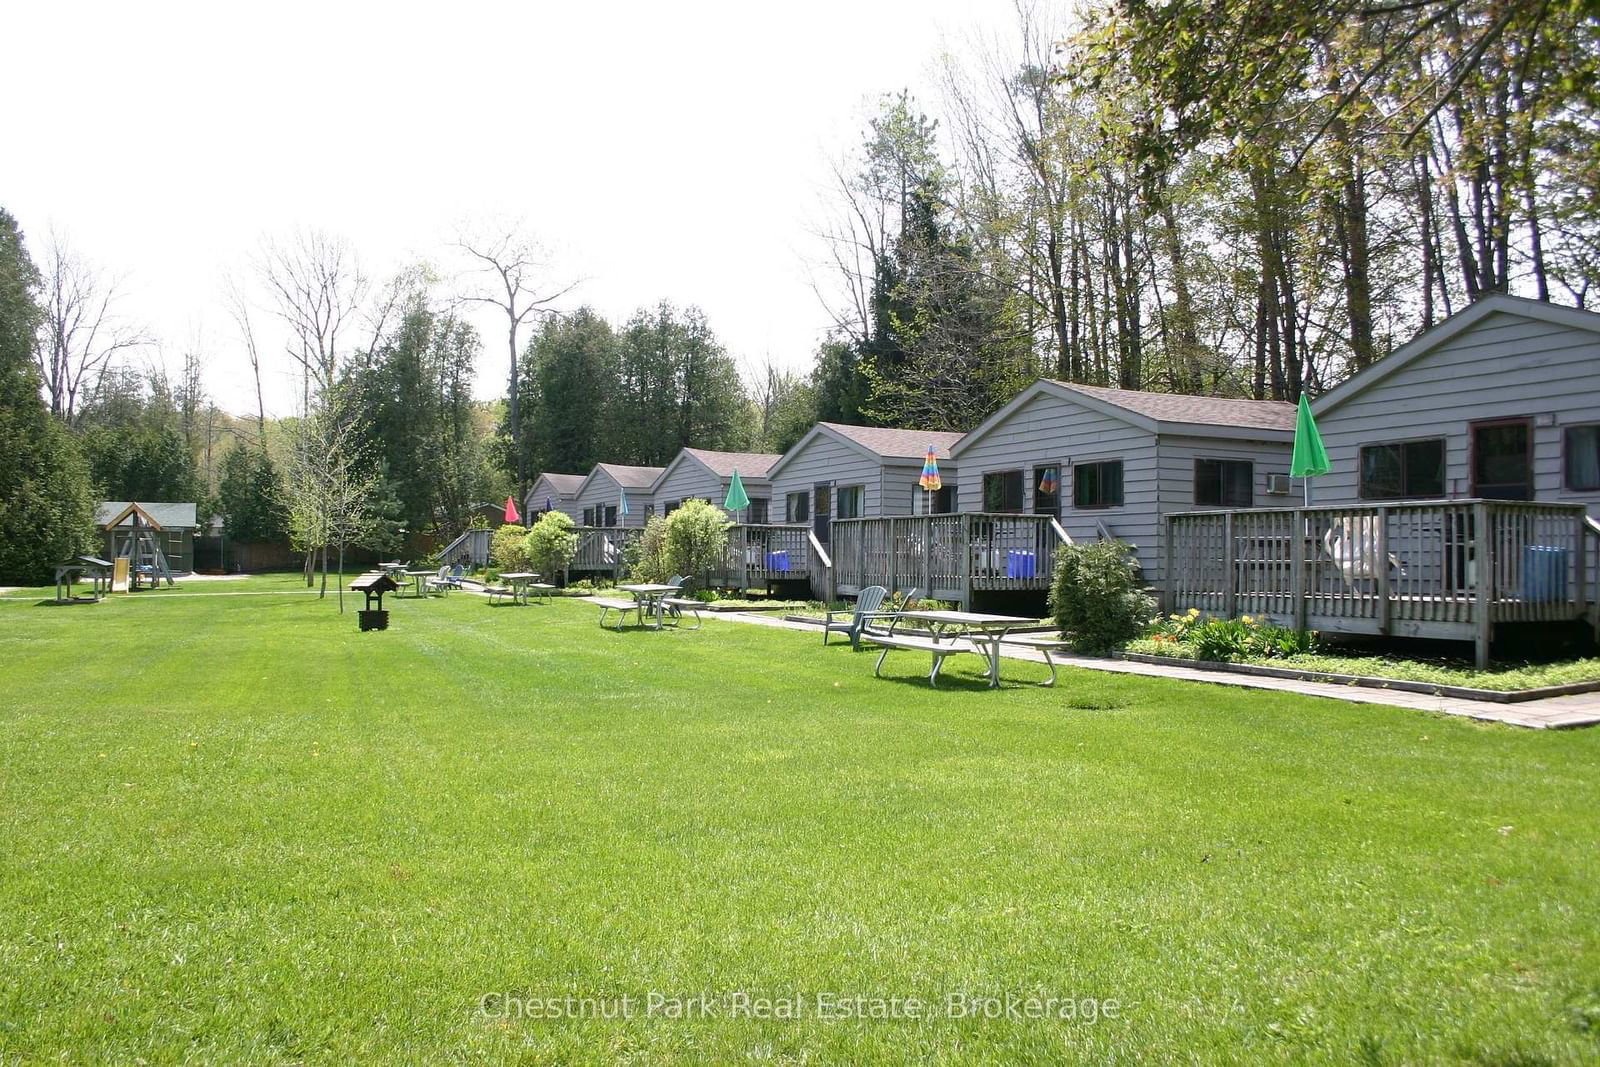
x=417 y=578
x=649 y=596
x=981 y=630
x=98 y=572
x=521 y=582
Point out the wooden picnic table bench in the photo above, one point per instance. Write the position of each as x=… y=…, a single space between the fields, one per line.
x=609 y=604
x=1043 y=643
x=685 y=603
x=940 y=649
x=495 y=592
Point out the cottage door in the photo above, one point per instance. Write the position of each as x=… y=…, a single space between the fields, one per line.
x=821 y=509
x=1502 y=459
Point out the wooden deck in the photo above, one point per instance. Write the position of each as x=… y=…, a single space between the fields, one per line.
x=1451 y=569
x=948 y=557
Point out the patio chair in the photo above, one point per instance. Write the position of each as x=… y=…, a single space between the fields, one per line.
x=1352 y=545
x=868 y=601
x=677 y=581
x=440 y=583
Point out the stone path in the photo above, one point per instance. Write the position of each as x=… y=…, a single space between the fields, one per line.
x=1547 y=714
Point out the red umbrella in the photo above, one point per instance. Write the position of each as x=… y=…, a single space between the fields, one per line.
x=511 y=510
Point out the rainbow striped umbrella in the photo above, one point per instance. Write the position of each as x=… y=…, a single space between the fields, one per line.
x=930 y=472
x=1049 y=483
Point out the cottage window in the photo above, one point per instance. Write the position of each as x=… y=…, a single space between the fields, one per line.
x=1002 y=491
x=588 y=516
x=1097 y=485
x=848 y=501
x=1047 y=490
x=1224 y=483
x=1582 y=448
x=1403 y=470
x=611 y=514
x=797 y=507
x=758 y=510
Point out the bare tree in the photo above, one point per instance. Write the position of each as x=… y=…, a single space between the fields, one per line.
x=510 y=271
x=327 y=488
x=239 y=309
x=317 y=288
x=80 y=333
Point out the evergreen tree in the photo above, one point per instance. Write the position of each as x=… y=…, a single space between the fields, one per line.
x=46 y=509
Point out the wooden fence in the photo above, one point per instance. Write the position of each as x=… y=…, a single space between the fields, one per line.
x=1448 y=569
x=948 y=557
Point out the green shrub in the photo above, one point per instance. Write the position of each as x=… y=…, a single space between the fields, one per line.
x=649 y=563
x=552 y=543
x=1096 y=598
x=696 y=539
x=508 y=548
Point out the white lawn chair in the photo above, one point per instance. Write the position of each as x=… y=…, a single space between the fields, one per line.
x=1352 y=545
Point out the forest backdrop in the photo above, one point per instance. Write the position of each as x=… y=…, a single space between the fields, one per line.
x=1226 y=197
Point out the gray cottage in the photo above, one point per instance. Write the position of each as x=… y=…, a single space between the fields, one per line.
x=1500 y=401
x=598 y=501
x=851 y=472
x=1113 y=462
x=552 y=492
x=701 y=474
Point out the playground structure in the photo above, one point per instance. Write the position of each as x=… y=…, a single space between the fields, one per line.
x=138 y=542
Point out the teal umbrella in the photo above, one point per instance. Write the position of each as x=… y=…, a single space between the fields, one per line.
x=1310 y=458
x=736 y=494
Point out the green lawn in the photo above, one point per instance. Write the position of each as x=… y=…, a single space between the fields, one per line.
x=234 y=828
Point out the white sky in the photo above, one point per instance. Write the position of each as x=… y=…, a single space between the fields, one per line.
x=669 y=151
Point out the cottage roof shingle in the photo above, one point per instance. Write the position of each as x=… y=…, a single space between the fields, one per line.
x=898 y=444
x=631 y=477
x=565 y=484
x=168 y=514
x=723 y=464
x=1198 y=410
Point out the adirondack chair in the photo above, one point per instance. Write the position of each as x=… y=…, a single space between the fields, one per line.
x=868 y=601
x=1352 y=545
x=441 y=583
x=677 y=581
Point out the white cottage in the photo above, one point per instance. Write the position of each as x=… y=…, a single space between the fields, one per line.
x=852 y=472
x=701 y=474
x=1500 y=401
x=1114 y=462
x=599 y=500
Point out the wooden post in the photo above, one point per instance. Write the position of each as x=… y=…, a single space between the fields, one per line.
x=927 y=555
x=1169 y=592
x=1297 y=568
x=894 y=558
x=1381 y=540
x=1483 y=556
x=966 y=562
x=1230 y=586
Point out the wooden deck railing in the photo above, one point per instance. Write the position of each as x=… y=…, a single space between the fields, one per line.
x=1435 y=568
x=762 y=553
x=600 y=548
x=948 y=557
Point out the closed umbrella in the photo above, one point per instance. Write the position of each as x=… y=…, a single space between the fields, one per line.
x=930 y=480
x=737 y=498
x=511 y=510
x=1310 y=458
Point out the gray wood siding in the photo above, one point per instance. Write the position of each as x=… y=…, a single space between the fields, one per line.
x=541 y=489
x=691 y=481
x=603 y=491
x=1506 y=366
x=1054 y=430
x=1178 y=454
x=827 y=459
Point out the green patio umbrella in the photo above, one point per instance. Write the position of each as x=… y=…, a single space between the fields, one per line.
x=736 y=494
x=1310 y=458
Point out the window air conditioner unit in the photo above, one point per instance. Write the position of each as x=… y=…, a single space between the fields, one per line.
x=1278 y=484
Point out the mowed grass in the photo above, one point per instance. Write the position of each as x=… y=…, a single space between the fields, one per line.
x=233 y=828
